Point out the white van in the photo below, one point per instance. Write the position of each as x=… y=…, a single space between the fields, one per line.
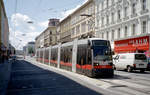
x=130 y=61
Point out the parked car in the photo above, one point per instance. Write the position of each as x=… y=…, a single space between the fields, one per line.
x=130 y=62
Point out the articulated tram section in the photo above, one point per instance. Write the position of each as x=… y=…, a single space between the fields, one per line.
x=91 y=57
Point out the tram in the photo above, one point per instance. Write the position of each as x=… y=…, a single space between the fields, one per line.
x=91 y=57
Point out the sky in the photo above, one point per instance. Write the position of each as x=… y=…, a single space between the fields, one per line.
x=20 y=12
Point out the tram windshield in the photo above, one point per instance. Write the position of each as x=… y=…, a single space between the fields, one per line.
x=101 y=50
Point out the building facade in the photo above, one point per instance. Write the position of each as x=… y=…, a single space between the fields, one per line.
x=4 y=31
x=30 y=48
x=39 y=41
x=120 y=19
x=48 y=36
x=79 y=24
x=83 y=21
x=65 y=29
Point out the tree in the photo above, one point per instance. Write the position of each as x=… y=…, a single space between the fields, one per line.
x=30 y=50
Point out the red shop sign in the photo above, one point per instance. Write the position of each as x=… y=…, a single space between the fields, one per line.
x=131 y=45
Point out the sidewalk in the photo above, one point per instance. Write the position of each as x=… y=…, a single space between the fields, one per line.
x=92 y=83
x=5 y=70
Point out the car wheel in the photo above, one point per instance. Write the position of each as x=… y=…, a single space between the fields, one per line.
x=129 y=69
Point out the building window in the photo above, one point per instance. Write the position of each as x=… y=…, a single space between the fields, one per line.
x=112 y=35
x=73 y=31
x=112 y=17
x=107 y=35
x=107 y=3
x=107 y=17
x=133 y=8
x=119 y=15
x=126 y=31
x=89 y=25
x=102 y=21
x=119 y=33
x=102 y=35
x=50 y=32
x=144 y=26
x=97 y=22
x=83 y=27
x=102 y=5
x=133 y=29
x=143 y=4
x=112 y=2
x=97 y=8
x=78 y=29
x=125 y=11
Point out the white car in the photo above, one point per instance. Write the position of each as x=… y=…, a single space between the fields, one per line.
x=130 y=61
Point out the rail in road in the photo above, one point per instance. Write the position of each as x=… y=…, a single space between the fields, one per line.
x=123 y=83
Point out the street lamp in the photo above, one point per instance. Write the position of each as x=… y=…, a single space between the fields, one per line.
x=87 y=15
x=30 y=22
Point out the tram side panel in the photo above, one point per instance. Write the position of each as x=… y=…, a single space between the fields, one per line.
x=46 y=56
x=54 y=57
x=41 y=56
x=37 y=56
x=66 y=58
x=81 y=58
x=84 y=60
x=49 y=49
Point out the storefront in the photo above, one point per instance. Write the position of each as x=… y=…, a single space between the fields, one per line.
x=137 y=44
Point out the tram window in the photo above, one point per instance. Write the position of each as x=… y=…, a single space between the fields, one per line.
x=81 y=54
x=89 y=57
x=99 y=43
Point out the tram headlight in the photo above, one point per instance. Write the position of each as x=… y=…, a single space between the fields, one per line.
x=96 y=64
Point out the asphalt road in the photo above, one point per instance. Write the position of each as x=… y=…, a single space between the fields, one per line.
x=38 y=79
x=29 y=79
x=125 y=83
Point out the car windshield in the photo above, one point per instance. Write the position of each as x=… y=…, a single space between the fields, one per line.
x=140 y=57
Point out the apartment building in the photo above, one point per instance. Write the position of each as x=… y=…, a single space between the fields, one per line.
x=39 y=41
x=83 y=21
x=65 y=29
x=48 y=36
x=4 y=31
x=122 y=19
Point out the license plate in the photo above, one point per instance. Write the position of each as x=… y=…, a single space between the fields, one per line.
x=141 y=64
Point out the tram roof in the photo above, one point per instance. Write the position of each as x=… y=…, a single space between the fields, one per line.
x=67 y=44
x=96 y=39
